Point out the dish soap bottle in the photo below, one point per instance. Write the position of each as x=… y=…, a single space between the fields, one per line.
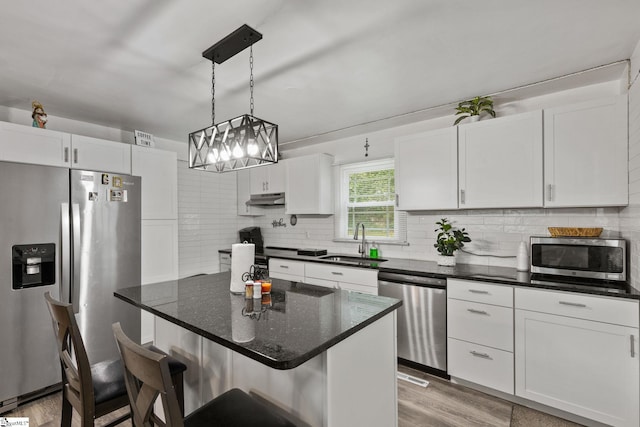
x=373 y=251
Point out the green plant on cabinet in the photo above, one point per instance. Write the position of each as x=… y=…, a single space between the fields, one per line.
x=474 y=107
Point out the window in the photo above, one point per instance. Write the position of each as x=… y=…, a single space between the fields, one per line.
x=367 y=195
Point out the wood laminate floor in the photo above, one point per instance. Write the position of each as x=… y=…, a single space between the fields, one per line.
x=441 y=404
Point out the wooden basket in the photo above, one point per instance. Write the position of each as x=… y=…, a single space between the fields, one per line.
x=575 y=231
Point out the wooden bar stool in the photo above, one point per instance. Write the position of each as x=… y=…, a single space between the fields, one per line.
x=147 y=377
x=99 y=389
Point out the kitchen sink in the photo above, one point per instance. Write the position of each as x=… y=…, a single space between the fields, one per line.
x=352 y=259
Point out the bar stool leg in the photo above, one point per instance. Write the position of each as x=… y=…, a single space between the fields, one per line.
x=179 y=387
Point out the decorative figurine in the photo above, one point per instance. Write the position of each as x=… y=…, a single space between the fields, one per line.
x=39 y=116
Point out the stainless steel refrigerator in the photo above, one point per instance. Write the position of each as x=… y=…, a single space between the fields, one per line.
x=75 y=234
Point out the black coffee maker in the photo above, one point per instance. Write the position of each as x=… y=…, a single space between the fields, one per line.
x=252 y=235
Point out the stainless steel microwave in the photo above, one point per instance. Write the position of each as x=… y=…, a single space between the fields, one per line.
x=580 y=257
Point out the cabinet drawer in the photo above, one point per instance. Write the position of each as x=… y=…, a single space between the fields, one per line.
x=321 y=282
x=600 y=309
x=286 y=266
x=470 y=290
x=484 y=324
x=361 y=276
x=481 y=365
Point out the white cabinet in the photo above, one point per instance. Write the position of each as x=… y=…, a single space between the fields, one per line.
x=24 y=144
x=159 y=172
x=286 y=269
x=100 y=155
x=159 y=240
x=480 y=333
x=579 y=354
x=159 y=250
x=426 y=170
x=268 y=179
x=243 y=181
x=225 y=262
x=362 y=280
x=500 y=162
x=309 y=188
x=585 y=154
x=159 y=261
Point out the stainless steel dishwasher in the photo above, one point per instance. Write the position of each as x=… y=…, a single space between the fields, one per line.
x=422 y=319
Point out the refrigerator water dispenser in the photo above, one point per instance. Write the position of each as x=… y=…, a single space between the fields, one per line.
x=34 y=265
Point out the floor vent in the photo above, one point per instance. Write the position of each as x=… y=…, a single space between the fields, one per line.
x=413 y=380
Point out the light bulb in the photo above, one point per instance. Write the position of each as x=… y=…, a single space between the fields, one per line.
x=224 y=155
x=214 y=155
x=252 y=149
x=237 y=151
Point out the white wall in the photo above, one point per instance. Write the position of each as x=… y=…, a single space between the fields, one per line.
x=207 y=218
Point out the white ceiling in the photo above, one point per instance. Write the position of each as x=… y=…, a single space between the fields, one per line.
x=321 y=66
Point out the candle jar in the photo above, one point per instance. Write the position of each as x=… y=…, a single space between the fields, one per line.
x=266 y=287
x=248 y=289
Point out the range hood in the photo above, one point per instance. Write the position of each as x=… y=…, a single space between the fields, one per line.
x=272 y=199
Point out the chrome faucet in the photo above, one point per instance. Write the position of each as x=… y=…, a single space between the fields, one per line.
x=362 y=248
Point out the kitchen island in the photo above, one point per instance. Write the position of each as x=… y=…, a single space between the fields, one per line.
x=326 y=356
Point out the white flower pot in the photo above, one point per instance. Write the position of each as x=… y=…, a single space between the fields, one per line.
x=472 y=119
x=447 y=261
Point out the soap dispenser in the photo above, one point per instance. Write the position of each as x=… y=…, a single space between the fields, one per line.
x=373 y=251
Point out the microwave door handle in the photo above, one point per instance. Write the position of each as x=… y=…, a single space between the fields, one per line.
x=75 y=283
x=65 y=253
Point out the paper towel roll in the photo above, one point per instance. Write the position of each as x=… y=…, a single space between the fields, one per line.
x=242 y=256
x=243 y=328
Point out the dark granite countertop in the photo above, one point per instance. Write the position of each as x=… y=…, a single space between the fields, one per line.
x=500 y=275
x=299 y=322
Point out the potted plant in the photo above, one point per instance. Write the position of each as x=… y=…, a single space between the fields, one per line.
x=449 y=240
x=474 y=107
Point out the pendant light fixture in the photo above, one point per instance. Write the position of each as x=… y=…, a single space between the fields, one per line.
x=242 y=142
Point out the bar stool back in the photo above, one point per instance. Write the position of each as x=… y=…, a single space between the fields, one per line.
x=147 y=379
x=94 y=391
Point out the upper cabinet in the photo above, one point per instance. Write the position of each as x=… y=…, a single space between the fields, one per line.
x=24 y=144
x=243 y=182
x=100 y=155
x=500 y=162
x=159 y=172
x=426 y=170
x=309 y=185
x=586 y=154
x=268 y=179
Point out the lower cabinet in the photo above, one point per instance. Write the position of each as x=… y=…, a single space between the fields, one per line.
x=346 y=278
x=480 y=333
x=224 y=262
x=579 y=354
x=286 y=269
x=331 y=276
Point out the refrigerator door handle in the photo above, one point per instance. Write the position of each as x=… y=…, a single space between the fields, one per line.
x=65 y=255
x=75 y=253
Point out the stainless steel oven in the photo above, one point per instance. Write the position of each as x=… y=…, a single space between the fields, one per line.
x=580 y=257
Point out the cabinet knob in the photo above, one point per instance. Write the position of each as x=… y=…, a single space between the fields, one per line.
x=75 y=155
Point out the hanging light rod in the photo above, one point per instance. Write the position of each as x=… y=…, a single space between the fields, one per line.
x=245 y=141
x=232 y=44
